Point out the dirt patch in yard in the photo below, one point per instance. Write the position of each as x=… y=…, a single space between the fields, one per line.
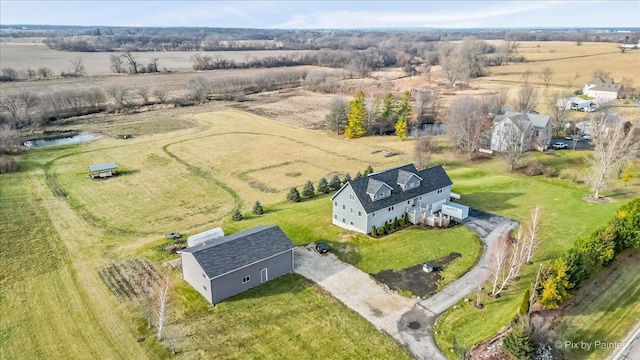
x=414 y=279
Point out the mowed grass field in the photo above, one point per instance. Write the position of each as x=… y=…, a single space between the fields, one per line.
x=54 y=245
x=609 y=313
x=565 y=217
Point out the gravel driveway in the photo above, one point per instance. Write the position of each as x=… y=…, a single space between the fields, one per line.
x=355 y=288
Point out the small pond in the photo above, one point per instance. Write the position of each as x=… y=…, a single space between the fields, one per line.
x=37 y=143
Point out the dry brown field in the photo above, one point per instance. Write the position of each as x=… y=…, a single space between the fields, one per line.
x=32 y=53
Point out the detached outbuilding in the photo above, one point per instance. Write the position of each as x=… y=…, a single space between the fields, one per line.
x=229 y=265
x=101 y=171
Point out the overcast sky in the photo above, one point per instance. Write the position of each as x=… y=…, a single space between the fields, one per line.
x=325 y=14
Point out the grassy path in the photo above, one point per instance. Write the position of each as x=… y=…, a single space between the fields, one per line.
x=50 y=297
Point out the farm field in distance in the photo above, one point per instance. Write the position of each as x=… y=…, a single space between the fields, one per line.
x=187 y=168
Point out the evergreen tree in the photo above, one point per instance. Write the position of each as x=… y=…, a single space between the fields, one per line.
x=389 y=106
x=236 y=215
x=358 y=175
x=257 y=209
x=357 y=112
x=323 y=185
x=308 y=191
x=404 y=107
x=401 y=128
x=335 y=183
x=524 y=304
x=555 y=283
x=346 y=179
x=294 y=195
x=368 y=170
x=517 y=342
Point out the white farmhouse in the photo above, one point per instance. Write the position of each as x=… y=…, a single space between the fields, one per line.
x=602 y=89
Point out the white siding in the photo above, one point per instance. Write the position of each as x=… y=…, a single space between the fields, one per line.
x=348 y=212
x=193 y=274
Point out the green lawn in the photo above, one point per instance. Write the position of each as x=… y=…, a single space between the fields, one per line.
x=287 y=318
x=565 y=216
x=608 y=314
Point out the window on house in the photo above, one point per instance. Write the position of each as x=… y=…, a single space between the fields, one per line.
x=335 y=217
x=344 y=207
x=408 y=202
x=420 y=198
x=204 y=276
x=351 y=210
x=373 y=215
x=344 y=221
x=359 y=213
x=440 y=191
x=246 y=279
x=335 y=203
x=352 y=197
x=351 y=222
x=204 y=287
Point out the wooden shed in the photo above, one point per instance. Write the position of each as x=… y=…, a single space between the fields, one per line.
x=101 y=171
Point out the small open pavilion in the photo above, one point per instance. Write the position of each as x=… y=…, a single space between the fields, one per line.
x=101 y=171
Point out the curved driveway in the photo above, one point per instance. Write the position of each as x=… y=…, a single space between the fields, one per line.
x=390 y=312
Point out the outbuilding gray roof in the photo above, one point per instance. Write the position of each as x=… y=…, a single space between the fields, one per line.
x=102 y=167
x=232 y=252
x=433 y=178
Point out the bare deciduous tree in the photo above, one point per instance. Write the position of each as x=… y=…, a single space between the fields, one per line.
x=509 y=50
x=121 y=96
x=198 y=89
x=547 y=74
x=599 y=73
x=423 y=149
x=466 y=124
x=493 y=104
x=131 y=61
x=452 y=63
x=614 y=141
x=560 y=107
x=571 y=80
x=512 y=140
x=8 y=137
x=337 y=117
x=428 y=103
x=532 y=237
x=163 y=305
x=10 y=105
x=499 y=268
x=144 y=94
x=77 y=67
x=117 y=65
x=525 y=77
x=526 y=99
x=161 y=94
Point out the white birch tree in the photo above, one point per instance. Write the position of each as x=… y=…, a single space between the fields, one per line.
x=163 y=304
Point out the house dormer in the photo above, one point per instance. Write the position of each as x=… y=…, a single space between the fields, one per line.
x=377 y=189
x=408 y=180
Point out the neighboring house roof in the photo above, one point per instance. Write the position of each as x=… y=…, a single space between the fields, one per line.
x=604 y=84
x=229 y=253
x=102 y=167
x=433 y=178
x=522 y=120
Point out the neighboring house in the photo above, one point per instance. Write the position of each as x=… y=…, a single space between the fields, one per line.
x=589 y=126
x=526 y=130
x=382 y=197
x=229 y=265
x=602 y=89
x=575 y=103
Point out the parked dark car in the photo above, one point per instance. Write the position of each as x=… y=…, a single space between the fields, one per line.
x=173 y=235
x=322 y=247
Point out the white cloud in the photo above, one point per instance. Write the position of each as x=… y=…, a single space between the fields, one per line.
x=453 y=18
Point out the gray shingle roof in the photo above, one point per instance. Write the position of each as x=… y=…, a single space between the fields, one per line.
x=374 y=185
x=404 y=177
x=235 y=251
x=102 y=167
x=433 y=178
